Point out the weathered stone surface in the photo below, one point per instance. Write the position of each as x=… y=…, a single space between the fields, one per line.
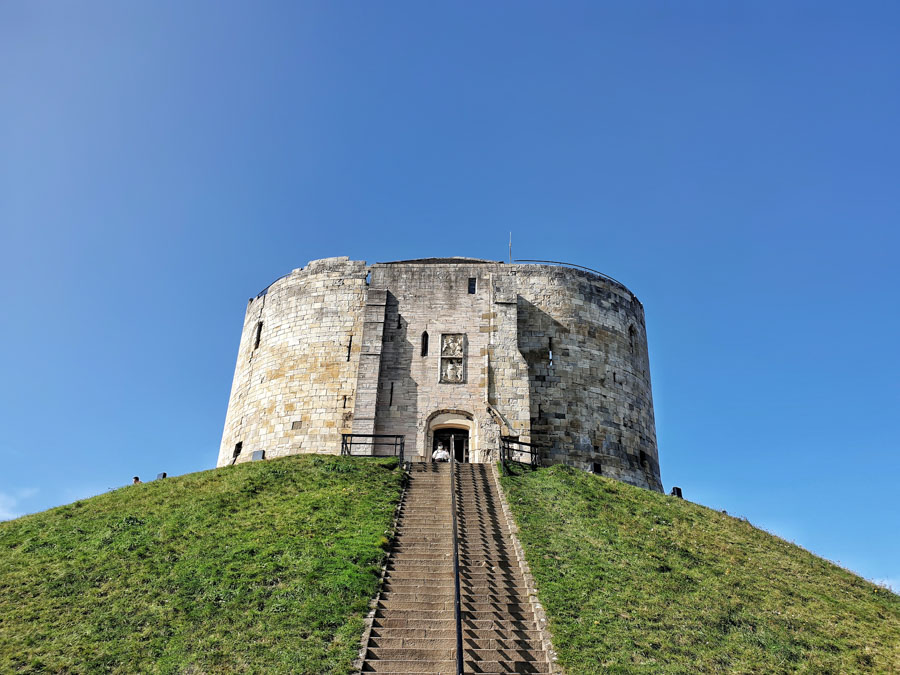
x=338 y=354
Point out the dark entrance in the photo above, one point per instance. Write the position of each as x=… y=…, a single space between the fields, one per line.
x=456 y=441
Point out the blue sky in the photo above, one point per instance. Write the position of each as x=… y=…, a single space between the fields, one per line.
x=735 y=164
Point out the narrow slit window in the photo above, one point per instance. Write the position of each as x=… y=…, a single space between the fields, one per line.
x=472 y=284
x=258 y=335
x=550 y=349
x=345 y=400
x=425 y=343
x=391 y=399
x=349 y=345
x=399 y=321
x=632 y=339
x=237 y=451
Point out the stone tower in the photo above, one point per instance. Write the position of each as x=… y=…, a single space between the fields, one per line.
x=424 y=348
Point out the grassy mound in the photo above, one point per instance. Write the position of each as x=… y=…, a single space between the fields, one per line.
x=262 y=567
x=636 y=582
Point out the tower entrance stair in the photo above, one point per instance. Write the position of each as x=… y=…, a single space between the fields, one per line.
x=416 y=627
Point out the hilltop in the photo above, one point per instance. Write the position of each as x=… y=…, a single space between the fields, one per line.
x=260 y=567
x=268 y=567
x=637 y=582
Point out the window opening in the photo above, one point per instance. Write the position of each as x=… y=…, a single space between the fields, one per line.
x=349 y=345
x=258 y=334
x=550 y=349
x=391 y=399
x=425 y=343
x=399 y=325
x=472 y=283
x=598 y=469
x=632 y=338
x=296 y=424
x=237 y=451
x=345 y=400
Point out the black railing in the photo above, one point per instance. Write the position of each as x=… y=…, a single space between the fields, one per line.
x=457 y=612
x=520 y=452
x=373 y=445
x=565 y=264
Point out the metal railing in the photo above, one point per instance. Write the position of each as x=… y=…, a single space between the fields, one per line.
x=573 y=265
x=373 y=445
x=457 y=612
x=519 y=452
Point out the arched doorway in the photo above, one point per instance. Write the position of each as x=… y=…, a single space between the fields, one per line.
x=455 y=440
x=456 y=430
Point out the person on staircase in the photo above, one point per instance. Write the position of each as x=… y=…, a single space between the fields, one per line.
x=441 y=454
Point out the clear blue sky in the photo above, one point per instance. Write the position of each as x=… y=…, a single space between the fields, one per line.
x=735 y=164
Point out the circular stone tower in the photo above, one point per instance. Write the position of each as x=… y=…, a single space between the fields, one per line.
x=447 y=350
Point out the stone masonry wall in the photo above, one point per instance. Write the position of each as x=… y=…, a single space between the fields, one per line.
x=434 y=298
x=339 y=355
x=294 y=392
x=592 y=405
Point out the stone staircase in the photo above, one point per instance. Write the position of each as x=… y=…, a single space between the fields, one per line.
x=414 y=627
x=500 y=634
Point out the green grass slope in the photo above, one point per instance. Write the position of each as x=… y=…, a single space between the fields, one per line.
x=636 y=582
x=265 y=567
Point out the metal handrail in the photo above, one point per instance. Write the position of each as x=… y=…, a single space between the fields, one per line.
x=565 y=264
x=456 y=601
x=509 y=454
x=395 y=444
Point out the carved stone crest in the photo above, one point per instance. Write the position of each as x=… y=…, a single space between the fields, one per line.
x=452 y=358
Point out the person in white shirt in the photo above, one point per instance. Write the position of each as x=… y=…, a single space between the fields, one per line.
x=441 y=454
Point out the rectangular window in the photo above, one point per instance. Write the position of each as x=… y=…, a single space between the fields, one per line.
x=472 y=283
x=598 y=469
x=296 y=424
x=391 y=399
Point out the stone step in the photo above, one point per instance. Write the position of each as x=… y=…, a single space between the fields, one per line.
x=402 y=654
x=417 y=576
x=414 y=633
x=514 y=597
x=418 y=643
x=506 y=668
x=427 y=567
x=433 y=586
x=416 y=614
x=417 y=605
x=501 y=628
x=504 y=656
x=403 y=623
x=418 y=597
x=424 y=554
x=407 y=666
x=501 y=643
x=517 y=619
